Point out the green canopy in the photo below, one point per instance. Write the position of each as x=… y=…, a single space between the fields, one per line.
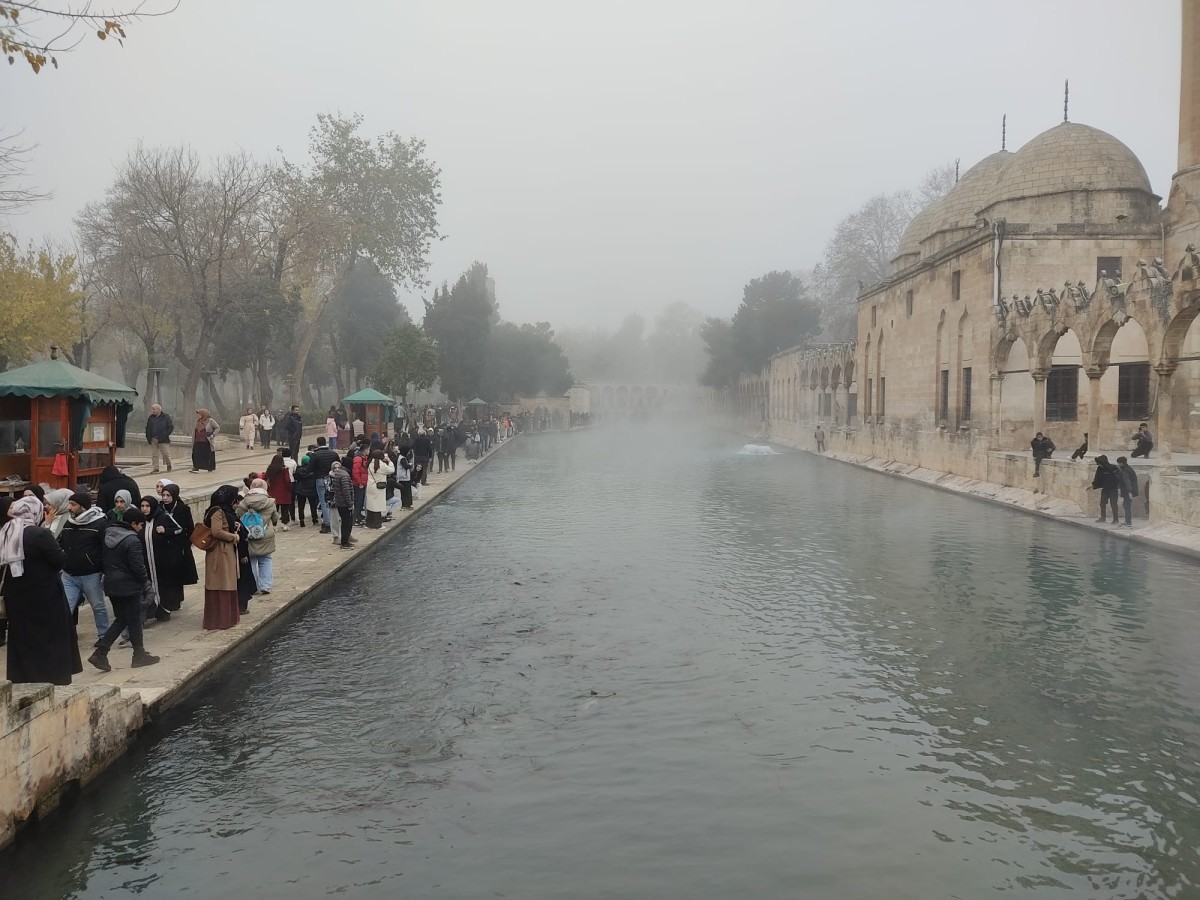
x=369 y=395
x=477 y=402
x=58 y=378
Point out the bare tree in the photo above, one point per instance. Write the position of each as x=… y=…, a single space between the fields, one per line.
x=13 y=161
x=37 y=30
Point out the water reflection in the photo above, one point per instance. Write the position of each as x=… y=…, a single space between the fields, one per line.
x=736 y=675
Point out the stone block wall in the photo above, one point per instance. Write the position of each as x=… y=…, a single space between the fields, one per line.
x=53 y=740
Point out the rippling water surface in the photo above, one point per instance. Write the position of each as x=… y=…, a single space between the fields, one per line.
x=636 y=664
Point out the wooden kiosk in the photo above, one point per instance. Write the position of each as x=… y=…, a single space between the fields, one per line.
x=375 y=409
x=57 y=417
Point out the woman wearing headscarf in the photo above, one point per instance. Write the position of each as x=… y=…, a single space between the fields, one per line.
x=153 y=534
x=259 y=504
x=173 y=548
x=378 y=470
x=248 y=428
x=56 y=510
x=203 y=452
x=221 y=562
x=122 y=503
x=42 y=645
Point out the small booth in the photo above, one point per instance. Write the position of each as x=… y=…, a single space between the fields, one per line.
x=59 y=425
x=478 y=409
x=375 y=409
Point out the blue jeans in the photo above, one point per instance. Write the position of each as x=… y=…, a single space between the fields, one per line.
x=321 y=501
x=264 y=575
x=89 y=586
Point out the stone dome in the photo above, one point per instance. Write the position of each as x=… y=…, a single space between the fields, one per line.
x=1070 y=157
x=962 y=203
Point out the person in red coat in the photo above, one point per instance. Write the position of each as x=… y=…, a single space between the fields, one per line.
x=279 y=487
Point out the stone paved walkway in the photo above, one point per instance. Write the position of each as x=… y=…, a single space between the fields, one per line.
x=304 y=558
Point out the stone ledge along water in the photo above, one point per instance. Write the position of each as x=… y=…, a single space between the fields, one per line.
x=54 y=740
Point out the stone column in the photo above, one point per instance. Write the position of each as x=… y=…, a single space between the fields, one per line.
x=995 y=419
x=1162 y=415
x=1039 y=400
x=1093 y=428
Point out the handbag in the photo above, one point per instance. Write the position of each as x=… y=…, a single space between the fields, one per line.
x=203 y=538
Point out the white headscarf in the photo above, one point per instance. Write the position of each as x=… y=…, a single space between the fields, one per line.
x=23 y=513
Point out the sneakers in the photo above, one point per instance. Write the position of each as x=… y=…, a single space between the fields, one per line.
x=142 y=658
x=1102 y=520
x=325 y=529
x=99 y=659
x=284 y=528
x=346 y=546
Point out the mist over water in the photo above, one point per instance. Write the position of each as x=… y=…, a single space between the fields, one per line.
x=634 y=663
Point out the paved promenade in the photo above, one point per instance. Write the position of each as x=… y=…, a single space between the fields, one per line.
x=304 y=559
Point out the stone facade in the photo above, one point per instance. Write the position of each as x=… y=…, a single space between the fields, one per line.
x=1047 y=291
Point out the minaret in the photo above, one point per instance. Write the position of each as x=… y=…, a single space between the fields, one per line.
x=1182 y=215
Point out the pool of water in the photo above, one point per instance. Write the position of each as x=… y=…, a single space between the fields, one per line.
x=635 y=663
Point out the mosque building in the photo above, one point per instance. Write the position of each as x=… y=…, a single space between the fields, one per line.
x=1049 y=290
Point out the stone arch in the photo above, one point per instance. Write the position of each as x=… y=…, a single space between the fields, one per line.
x=880 y=382
x=1177 y=333
x=1016 y=406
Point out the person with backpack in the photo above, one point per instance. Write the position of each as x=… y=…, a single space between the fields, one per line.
x=126 y=581
x=259 y=514
x=1108 y=481
x=1129 y=488
x=204 y=432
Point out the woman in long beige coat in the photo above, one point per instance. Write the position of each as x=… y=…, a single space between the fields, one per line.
x=221 y=562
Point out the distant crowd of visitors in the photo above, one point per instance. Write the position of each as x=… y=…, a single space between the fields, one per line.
x=117 y=548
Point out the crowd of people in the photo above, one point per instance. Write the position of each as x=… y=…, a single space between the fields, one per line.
x=130 y=556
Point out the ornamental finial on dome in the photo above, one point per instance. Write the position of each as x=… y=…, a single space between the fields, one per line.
x=1066 y=97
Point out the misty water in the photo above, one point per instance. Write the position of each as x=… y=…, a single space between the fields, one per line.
x=634 y=663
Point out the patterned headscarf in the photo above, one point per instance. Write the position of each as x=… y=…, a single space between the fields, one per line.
x=23 y=513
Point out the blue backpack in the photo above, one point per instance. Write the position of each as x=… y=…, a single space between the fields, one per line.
x=253 y=522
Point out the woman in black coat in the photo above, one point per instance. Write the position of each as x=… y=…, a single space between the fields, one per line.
x=172 y=528
x=42 y=644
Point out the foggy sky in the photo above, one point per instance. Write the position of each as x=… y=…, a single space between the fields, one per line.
x=612 y=158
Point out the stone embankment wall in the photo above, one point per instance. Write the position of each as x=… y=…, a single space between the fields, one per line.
x=53 y=740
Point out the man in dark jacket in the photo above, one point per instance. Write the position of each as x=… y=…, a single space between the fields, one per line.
x=1108 y=481
x=82 y=540
x=422 y=448
x=126 y=578
x=1129 y=488
x=158 y=435
x=294 y=428
x=1081 y=450
x=1042 y=448
x=343 y=501
x=111 y=481
x=321 y=462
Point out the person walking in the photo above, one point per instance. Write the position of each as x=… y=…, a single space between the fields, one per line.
x=259 y=514
x=82 y=542
x=1129 y=488
x=321 y=461
x=331 y=427
x=358 y=475
x=248 y=428
x=42 y=643
x=1107 y=480
x=342 y=500
x=155 y=548
x=221 y=606
x=126 y=580
x=304 y=490
x=158 y=435
x=819 y=437
x=378 y=470
x=173 y=548
x=204 y=432
x=423 y=455
x=294 y=429
x=266 y=427
x=1143 y=442
x=1042 y=448
x=441 y=441
x=278 y=482
x=1081 y=450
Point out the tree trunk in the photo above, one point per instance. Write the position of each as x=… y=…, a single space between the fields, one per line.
x=194 y=363
x=264 y=375
x=302 y=350
x=214 y=397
